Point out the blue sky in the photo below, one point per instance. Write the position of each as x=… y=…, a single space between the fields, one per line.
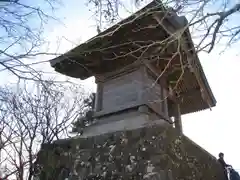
x=215 y=130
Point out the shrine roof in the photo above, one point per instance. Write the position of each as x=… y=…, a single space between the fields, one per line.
x=87 y=59
x=137 y=37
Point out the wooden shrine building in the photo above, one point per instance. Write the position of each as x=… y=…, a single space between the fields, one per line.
x=146 y=70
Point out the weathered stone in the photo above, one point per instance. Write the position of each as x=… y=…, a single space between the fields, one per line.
x=131 y=155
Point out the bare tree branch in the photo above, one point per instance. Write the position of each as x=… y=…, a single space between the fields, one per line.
x=32 y=117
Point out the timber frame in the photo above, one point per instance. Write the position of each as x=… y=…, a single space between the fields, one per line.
x=156 y=38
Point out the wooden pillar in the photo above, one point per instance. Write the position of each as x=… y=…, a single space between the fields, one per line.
x=99 y=95
x=165 y=102
x=175 y=100
x=177 y=117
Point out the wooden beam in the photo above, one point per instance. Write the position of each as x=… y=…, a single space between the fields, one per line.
x=99 y=95
x=191 y=93
x=177 y=118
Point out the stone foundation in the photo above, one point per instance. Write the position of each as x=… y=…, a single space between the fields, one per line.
x=146 y=153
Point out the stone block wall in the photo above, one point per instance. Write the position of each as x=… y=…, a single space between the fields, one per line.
x=147 y=153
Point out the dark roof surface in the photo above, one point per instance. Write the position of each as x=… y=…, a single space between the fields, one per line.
x=75 y=63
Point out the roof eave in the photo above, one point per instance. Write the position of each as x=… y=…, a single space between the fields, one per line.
x=182 y=22
x=93 y=40
x=202 y=74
